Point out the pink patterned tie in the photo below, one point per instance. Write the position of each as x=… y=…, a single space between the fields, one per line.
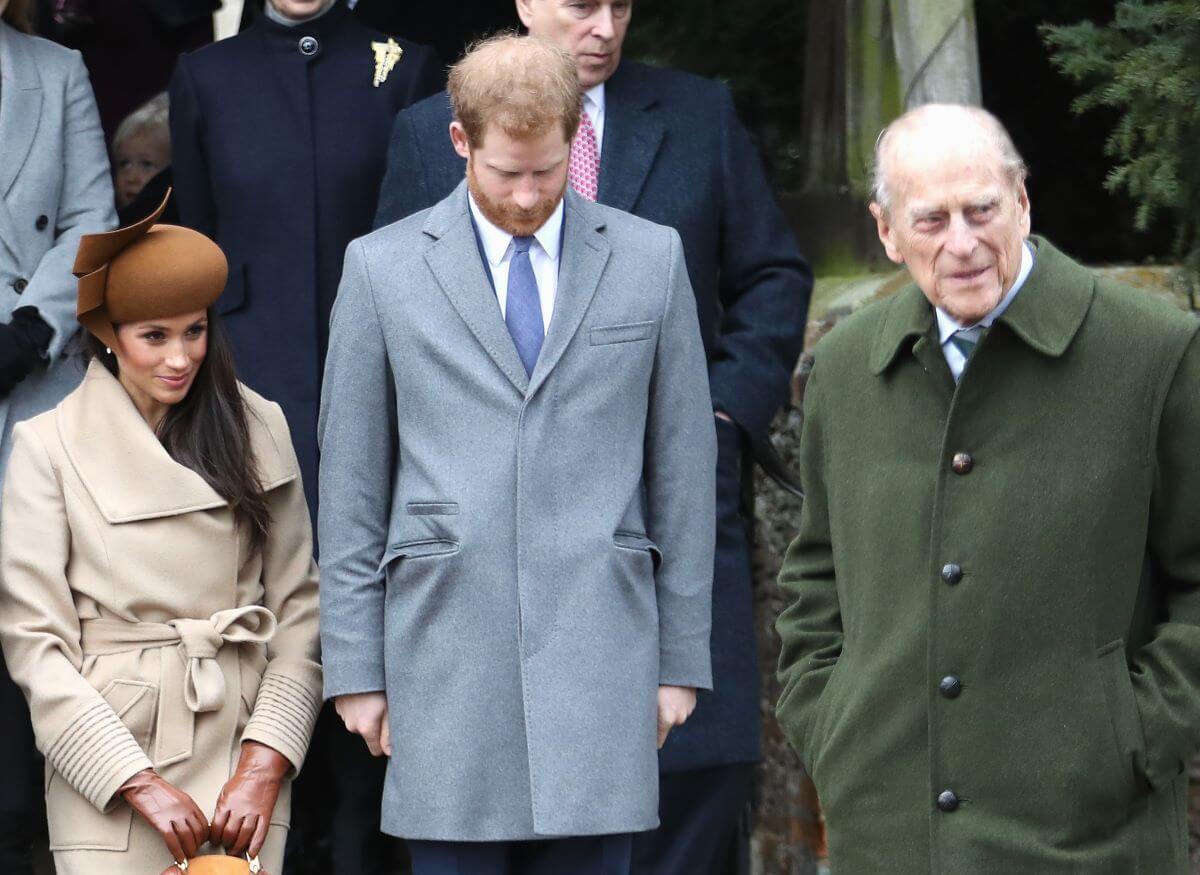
x=584 y=171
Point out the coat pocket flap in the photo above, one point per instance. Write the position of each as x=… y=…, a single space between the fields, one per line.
x=415 y=549
x=622 y=333
x=634 y=541
x=432 y=508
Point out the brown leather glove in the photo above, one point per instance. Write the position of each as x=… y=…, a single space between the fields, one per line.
x=169 y=811
x=247 y=800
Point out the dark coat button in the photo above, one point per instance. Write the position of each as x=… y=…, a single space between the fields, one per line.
x=947 y=801
x=950 y=687
x=962 y=463
x=951 y=573
x=19 y=284
x=309 y=45
x=41 y=223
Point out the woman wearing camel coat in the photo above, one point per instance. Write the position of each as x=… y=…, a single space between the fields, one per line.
x=145 y=627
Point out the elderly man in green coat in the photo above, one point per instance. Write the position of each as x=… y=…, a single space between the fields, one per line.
x=991 y=655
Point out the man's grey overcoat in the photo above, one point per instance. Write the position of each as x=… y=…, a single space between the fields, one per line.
x=54 y=188
x=520 y=562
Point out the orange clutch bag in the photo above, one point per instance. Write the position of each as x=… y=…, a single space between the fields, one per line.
x=221 y=865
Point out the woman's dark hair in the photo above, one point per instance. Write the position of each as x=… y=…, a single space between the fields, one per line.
x=208 y=431
x=19 y=14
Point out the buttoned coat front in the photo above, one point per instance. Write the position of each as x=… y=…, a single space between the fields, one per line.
x=141 y=627
x=54 y=188
x=519 y=561
x=991 y=659
x=278 y=145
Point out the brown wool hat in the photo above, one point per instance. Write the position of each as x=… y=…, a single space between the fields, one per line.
x=145 y=271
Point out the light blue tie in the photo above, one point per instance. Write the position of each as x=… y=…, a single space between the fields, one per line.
x=523 y=309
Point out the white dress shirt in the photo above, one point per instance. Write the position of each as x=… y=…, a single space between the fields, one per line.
x=593 y=105
x=543 y=257
x=947 y=324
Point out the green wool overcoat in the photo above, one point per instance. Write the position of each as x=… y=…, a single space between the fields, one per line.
x=991 y=653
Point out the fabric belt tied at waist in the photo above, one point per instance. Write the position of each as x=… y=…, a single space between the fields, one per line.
x=191 y=677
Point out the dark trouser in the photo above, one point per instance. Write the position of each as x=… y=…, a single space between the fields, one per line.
x=336 y=807
x=705 y=824
x=17 y=762
x=587 y=855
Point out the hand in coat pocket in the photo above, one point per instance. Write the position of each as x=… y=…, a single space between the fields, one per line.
x=675 y=706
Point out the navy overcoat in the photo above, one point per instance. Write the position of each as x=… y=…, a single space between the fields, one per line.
x=279 y=139
x=675 y=153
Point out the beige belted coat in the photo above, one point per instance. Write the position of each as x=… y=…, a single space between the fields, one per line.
x=141 y=627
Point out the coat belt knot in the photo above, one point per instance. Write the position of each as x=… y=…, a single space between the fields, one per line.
x=192 y=675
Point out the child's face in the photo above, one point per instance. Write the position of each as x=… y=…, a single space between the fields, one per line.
x=136 y=160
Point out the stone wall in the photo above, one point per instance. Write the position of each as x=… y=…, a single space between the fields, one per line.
x=789 y=838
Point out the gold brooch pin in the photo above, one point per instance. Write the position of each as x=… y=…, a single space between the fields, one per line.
x=387 y=55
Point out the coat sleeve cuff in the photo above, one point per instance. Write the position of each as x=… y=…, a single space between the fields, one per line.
x=96 y=754
x=685 y=668
x=285 y=712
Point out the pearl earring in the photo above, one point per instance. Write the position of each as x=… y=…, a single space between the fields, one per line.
x=107 y=351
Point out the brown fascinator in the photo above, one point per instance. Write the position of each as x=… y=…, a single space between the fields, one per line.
x=145 y=271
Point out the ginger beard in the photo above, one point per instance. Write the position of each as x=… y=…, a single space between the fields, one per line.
x=509 y=217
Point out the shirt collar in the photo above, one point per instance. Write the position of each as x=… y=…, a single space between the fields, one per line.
x=497 y=241
x=947 y=324
x=593 y=99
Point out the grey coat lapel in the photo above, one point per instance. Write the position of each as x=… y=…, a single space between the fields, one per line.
x=456 y=264
x=632 y=137
x=20 y=108
x=585 y=252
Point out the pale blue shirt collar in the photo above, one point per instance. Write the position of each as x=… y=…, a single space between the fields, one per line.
x=947 y=324
x=496 y=241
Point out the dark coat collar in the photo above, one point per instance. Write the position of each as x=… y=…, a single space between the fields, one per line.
x=283 y=37
x=1046 y=314
x=633 y=134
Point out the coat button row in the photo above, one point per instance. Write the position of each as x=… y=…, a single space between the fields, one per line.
x=952 y=573
x=950 y=687
x=19 y=284
x=947 y=801
x=962 y=463
x=309 y=45
x=41 y=223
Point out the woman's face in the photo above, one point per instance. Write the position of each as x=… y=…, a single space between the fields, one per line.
x=157 y=360
x=138 y=159
x=297 y=9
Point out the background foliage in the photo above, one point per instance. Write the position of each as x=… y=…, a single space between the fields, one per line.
x=1145 y=65
x=759 y=49
x=753 y=46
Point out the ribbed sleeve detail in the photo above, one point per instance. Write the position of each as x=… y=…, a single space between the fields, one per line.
x=96 y=754
x=285 y=712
